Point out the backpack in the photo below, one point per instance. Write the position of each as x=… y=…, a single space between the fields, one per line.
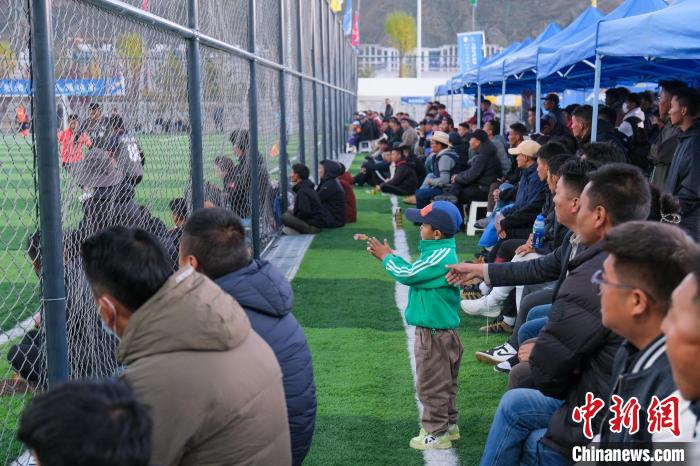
x=638 y=145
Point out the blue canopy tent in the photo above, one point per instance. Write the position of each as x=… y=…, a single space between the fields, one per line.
x=524 y=62
x=675 y=44
x=571 y=64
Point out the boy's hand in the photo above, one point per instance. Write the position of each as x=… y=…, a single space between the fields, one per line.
x=463 y=272
x=377 y=249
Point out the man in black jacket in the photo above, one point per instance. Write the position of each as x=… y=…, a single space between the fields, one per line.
x=683 y=177
x=331 y=194
x=635 y=287
x=573 y=353
x=404 y=181
x=306 y=217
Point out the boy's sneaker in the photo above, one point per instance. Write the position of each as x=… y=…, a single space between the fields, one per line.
x=453 y=431
x=497 y=326
x=471 y=292
x=506 y=366
x=480 y=307
x=426 y=441
x=496 y=355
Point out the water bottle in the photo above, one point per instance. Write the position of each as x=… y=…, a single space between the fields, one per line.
x=538 y=232
x=398 y=218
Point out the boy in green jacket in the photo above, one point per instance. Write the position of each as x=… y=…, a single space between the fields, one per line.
x=433 y=308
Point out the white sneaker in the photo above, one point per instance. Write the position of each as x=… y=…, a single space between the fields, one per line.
x=496 y=355
x=480 y=307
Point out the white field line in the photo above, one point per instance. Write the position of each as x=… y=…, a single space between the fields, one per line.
x=431 y=457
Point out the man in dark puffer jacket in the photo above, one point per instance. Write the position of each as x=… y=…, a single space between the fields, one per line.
x=574 y=352
x=404 y=181
x=213 y=244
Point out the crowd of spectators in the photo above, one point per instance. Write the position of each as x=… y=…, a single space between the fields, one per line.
x=590 y=268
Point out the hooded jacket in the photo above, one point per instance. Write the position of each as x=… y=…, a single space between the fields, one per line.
x=574 y=353
x=332 y=195
x=307 y=205
x=683 y=179
x=267 y=298
x=214 y=387
x=346 y=182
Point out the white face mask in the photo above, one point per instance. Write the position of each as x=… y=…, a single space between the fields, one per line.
x=625 y=109
x=110 y=331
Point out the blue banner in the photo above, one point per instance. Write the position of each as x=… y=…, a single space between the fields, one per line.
x=66 y=87
x=415 y=100
x=470 y=49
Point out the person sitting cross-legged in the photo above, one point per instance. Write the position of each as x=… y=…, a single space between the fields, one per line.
x=306 y=216
x=403 y=181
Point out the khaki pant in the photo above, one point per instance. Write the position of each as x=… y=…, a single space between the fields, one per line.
x=438 y=355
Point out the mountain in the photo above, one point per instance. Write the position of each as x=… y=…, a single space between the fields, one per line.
x=504 y=21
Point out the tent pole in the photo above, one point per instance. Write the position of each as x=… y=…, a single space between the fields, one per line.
x=478 y=105
x=596 y=93
x=538 y=107
x=503 y=106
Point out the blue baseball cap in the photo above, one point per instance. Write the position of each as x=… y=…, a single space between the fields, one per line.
x=441 y=215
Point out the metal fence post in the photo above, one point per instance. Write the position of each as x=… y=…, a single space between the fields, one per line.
x=253 y=152
x=49 y=186
x=315 y=91
x=323 y=75
x=194 y=88
x=302 y=127
x=284 y=156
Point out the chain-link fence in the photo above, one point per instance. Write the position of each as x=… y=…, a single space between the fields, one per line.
x=134 y=113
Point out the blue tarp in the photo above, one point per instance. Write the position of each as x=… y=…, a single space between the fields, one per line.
x=671 y=33
x=576 y=51
x=526 y=60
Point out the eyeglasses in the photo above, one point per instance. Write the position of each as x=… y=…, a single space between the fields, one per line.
x=597 y=280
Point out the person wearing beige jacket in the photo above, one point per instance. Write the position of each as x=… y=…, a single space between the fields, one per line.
x=213 y=385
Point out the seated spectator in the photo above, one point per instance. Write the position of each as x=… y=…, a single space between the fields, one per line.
x=487 y=113
x=635 y=286
x=484 y=168
x=682 y=329
x=306 y=217
x=396 y=131
x=177 y=332
x=346 y=181
x=443 y=163
x=331 y=194
x=515 y=220
x=516 y=135
x=403 y=181
x=213 y=243
x=573 y=353
x=582 y=124
x=682 y=178
x=602 y=153
x=551 y=106
x=87 y=424
x=373 y=164
x=410 y=136
x=568 y=114
x=493 y=129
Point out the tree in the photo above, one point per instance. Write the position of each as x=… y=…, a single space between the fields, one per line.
x=401 y=29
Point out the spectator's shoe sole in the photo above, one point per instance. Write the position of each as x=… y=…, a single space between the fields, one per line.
x=497 y=327
x=410 y=200
x=494 y=355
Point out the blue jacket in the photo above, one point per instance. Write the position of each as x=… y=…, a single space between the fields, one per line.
x=267 y=298
x=528 y=201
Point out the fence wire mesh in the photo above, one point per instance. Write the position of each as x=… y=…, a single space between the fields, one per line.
x=125 y=150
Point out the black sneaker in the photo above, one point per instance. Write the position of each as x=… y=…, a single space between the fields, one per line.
x=506 y=366
x=496 y=355
x=471 y=292
x=497 y=326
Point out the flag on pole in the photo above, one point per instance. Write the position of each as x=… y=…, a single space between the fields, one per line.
x=347 y=19
x=144 y=5
x=355 y=36
x=336 y=5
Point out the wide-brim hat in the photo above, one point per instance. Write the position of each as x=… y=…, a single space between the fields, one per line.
x=441 y=137
x=96 y=170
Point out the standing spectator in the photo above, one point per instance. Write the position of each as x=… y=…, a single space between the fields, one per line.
x=87 y=424
x=683 y=178
x=306 y=217
x=662 y=150
x=72 y=142
x=460 y=143
x=633 y=114
x=178 y=332
x=388 y=110
x=396 y=131
x=96 y=127
x=551 y=105
x=213 y=243
x=22 y=121
x=331 y=194
x=635 y=286
x=531 y=120
x=487 y=113
x=614 y=100
x=568 y=114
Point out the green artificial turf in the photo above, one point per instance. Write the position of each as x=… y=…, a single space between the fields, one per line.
x=366 y=401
